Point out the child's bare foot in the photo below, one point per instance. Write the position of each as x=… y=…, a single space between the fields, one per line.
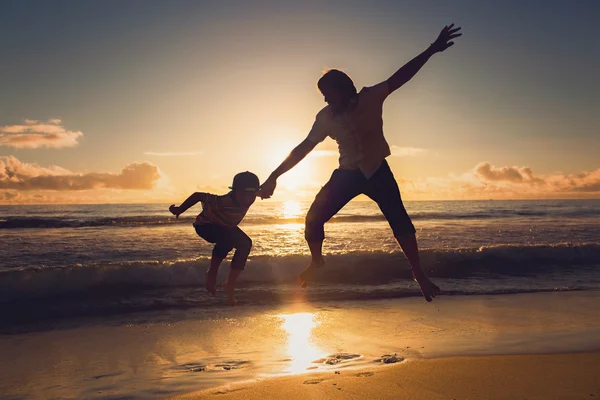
x=428 y=288
x=308 y=273
x=210 y=279
x=229 y=289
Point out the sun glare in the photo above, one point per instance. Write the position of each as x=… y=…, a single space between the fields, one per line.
x=300 y=349
x=291 y=209
x=298 y=176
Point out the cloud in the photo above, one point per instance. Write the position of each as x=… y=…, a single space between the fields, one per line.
x=18 y=175
x=34 y=134
x=173 y=154
x=583 y=182
x=398 y=151
x=6 y=196
x=486 y=180
x=488 y=172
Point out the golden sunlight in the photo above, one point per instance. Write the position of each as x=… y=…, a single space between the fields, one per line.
x=291 y=209
x=297 y=177
x=300 y=349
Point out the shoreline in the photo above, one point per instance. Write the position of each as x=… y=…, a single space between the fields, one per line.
x=530 y=376
x=202 y=352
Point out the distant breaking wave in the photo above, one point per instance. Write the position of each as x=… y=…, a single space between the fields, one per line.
x=20 y=222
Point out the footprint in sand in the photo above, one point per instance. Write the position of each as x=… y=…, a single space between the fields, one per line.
x=361 y=374
x=337 y=358
x=313 y=381
x=191 y=367
x=390 y=359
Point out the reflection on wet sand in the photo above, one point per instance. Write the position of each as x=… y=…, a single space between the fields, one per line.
x=300 y=344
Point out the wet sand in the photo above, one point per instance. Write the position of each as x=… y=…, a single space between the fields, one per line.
x=455 y=347
x=548 y=376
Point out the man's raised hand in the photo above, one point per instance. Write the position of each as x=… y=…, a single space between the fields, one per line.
x=444 y=39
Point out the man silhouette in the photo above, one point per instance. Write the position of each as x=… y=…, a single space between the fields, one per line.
x=354 y=121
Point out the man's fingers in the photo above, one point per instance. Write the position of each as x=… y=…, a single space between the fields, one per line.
x=454 y=36
x=450 y=44
x=454 y=30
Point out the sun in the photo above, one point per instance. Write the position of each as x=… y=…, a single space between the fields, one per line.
x=298 y=177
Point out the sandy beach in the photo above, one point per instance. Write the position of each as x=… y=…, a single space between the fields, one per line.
x=538 y=345
x=548 y=376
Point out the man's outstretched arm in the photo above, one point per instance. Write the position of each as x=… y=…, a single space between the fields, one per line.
x=296 y=155
x=410 y=69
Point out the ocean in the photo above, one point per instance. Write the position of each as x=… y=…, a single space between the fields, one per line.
x=68 y=261
x=107 y=301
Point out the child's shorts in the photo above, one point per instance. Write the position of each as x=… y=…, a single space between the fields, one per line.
x=226 y=239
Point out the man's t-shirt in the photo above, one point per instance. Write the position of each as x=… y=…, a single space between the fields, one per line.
x=221 y=210
x=358 y=131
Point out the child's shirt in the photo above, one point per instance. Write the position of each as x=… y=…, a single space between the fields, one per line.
x=221 y=210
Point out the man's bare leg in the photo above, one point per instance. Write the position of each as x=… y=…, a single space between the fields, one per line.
x=316 y=252
x=210 y=277
x=229 y=285
x=411 y=251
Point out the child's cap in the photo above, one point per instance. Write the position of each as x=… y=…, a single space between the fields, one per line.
x=246 y=182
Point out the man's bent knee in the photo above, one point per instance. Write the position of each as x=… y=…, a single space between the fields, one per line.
x=314 y=229
x=245 y=245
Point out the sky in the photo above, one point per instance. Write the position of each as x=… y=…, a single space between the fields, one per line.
x=149 y=101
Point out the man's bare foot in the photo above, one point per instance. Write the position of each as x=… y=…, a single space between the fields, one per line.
x=210 y=279
x=308 y=273
x=428 y=288
x=229 y=289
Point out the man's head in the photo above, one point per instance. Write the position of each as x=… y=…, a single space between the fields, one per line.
x=245 y=187
x=337 y=88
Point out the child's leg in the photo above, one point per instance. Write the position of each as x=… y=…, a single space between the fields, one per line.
x=219 y=235
x=229 y=285
x=220 y=251
x=242 y=244
x=210 y=276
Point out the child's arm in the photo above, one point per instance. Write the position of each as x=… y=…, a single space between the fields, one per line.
x=189 y=202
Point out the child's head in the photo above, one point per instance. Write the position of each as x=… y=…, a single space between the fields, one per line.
x=245 y=187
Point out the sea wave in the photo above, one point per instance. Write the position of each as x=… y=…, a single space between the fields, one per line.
x=33 y=315
x=47 y=297
x=23 y=222
x=365 y=267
